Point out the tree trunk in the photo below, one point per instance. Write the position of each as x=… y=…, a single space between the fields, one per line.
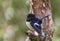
x=42 y=8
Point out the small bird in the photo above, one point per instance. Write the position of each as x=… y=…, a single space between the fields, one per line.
x=34 y=23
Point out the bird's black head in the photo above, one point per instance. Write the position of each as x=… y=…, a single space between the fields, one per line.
x=30 y=17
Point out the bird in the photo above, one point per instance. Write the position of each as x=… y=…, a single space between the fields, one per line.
x=34 y=23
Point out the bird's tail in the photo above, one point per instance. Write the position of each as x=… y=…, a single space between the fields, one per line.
x=46 y=16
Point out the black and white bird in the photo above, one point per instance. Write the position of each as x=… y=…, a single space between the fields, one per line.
x=34 y=23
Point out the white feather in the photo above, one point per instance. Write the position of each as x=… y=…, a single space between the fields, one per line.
x=36 y=34
x=36 y=24
x=28 y=25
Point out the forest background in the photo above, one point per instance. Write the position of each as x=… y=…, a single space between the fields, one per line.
x=13 y=17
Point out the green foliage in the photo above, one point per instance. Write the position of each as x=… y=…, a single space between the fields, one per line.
x=55 y=8
x=1 y=1
x=18 y=4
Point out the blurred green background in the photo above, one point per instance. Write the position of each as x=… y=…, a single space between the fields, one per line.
x=13 y=16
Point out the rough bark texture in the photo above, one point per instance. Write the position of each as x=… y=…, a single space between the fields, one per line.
x=42 y=8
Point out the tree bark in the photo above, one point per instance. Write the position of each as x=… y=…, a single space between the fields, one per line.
x=42 y=8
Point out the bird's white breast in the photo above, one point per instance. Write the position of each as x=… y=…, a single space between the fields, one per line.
x=28 y=25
